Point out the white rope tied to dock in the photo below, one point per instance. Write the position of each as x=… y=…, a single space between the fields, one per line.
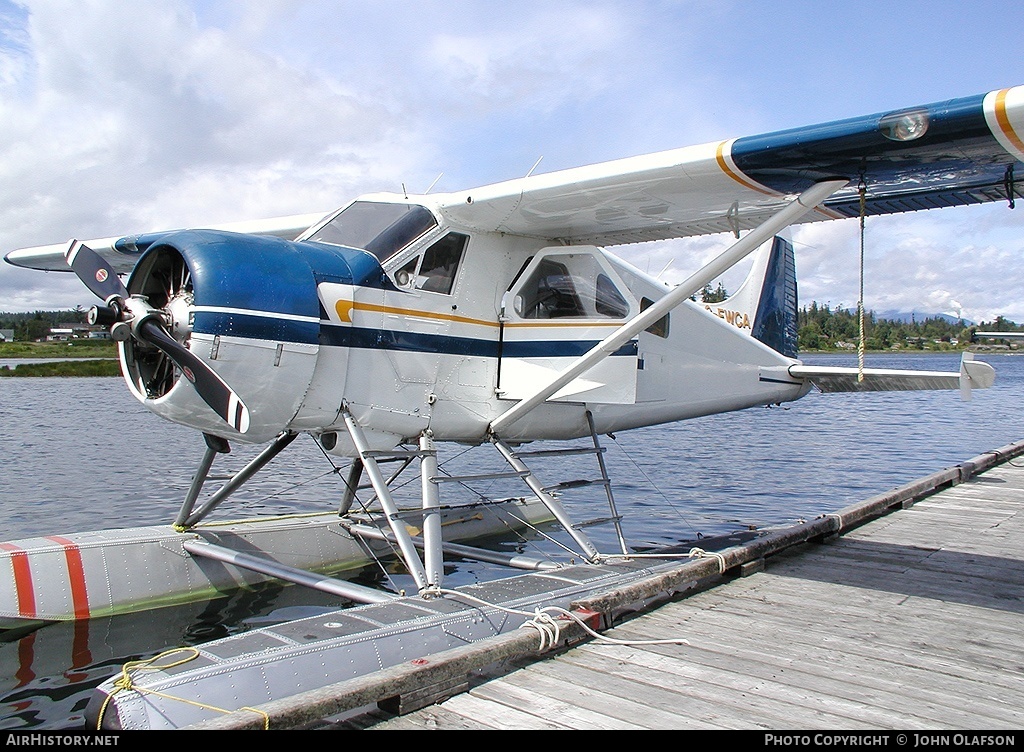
x=838 y=518
x=700 y=553
x=550 y=628
x=693 y=553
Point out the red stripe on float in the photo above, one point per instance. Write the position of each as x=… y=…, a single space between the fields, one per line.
x=26 y=655
x=76 y=576
x=81 y=656
x=22 y=580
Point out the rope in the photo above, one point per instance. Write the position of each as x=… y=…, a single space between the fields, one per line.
x=700 y=553
x=838 y=518
x=860 y=304
x=550 y=629
x=694 y=553
x=125 y=682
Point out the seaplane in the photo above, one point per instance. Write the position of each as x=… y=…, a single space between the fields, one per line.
x=496 y=318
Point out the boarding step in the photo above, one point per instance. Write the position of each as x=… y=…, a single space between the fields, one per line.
x=567 y=484
x=560 y=452
x=481 y=476
x=391 y=455
x=598 y=521
x=516 y=560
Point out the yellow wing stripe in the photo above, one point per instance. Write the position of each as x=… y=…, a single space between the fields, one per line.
x=1004 y=120
x=739 y=177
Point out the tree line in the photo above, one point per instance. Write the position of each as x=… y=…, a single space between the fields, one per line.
x=820 y=327
x=29 y=327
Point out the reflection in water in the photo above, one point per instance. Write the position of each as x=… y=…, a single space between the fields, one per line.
x=47 y=675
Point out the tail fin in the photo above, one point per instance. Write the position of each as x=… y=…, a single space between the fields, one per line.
x=767 y=299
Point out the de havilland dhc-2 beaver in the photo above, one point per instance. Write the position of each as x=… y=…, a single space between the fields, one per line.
x=495 y=317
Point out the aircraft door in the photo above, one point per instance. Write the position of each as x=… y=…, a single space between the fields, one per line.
x=565 y=302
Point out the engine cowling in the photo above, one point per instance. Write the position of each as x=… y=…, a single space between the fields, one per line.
x=248 y=306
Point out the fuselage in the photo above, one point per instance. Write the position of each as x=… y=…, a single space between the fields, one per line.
x=414 y=323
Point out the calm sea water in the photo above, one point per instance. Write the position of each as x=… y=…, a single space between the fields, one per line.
x=82 y=454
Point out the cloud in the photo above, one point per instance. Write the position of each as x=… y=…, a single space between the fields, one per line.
x=125 y=117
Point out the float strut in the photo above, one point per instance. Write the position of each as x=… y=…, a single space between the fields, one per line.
x=256 y=464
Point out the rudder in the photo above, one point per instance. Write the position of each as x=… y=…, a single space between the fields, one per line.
x=766 y=303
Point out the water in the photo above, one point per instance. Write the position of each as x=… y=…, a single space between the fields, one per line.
x=82 y=454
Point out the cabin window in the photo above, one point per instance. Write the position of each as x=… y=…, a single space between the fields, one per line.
x=571 y=285
x=380 y=228
x=608 y=301
x=440 y=264
x=659 y=327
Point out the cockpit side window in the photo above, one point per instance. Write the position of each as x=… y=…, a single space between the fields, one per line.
x=440 y=264
x=567 y=286
x=382 y=229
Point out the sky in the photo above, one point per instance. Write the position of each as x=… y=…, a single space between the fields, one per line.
x=124 y=117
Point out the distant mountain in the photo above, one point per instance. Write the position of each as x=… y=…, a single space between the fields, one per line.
x=917 y=316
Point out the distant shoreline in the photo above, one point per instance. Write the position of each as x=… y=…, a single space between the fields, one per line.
x=73 y=367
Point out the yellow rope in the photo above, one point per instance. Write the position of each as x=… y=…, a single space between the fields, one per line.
x=124 y=682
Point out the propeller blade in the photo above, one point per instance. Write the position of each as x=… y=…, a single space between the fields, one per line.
x=211 y=387
x=94 y=272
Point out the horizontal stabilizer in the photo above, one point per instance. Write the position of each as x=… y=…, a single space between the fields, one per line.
x=973 y=374
x=121 y=252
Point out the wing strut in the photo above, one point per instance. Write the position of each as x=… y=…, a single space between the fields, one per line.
x=799 y=206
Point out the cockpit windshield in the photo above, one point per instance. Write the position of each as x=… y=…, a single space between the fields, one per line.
x=380 y=228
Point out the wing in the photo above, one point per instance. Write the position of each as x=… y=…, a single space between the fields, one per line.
x=963 y=151
x=122 y=252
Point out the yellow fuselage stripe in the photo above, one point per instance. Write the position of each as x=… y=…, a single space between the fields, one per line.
x=345 y=308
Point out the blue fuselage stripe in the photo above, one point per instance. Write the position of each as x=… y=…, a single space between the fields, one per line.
x=269 y=327
x=390 y=339
x=256 y=326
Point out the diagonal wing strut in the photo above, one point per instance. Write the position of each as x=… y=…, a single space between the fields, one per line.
x=795 y=209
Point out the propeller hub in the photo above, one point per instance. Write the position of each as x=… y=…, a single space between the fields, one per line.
x=120 y=331
x=179 y=310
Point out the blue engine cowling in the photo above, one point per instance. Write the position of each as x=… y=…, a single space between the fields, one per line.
x=248 y=306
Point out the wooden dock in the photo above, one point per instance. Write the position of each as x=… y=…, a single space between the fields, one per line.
x=911 y=621
x=904 y=612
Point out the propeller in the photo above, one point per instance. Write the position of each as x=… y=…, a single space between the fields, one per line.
x=133 y=316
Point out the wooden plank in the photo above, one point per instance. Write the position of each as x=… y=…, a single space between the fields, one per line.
x=577 y=707
x=755 y=698
x=837 y=672
x=476 y=712
x=872 y=684
x=902 y=648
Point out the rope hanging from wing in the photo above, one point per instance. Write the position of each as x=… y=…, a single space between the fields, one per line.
x=862 y=188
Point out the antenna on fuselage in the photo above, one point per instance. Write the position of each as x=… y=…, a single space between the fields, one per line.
x=432 y=184
x=534 y=166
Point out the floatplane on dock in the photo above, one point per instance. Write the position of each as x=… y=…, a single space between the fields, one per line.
x=492 y=318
